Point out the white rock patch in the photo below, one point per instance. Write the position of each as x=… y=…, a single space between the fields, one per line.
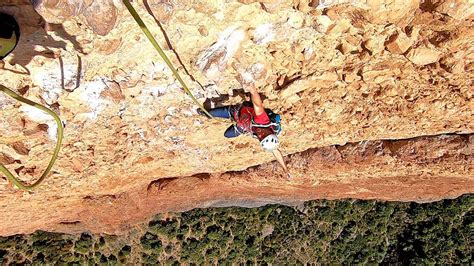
x=50 y=79
x=215 y=57
x=39 y=116
x=90 y=94
x=264 y=34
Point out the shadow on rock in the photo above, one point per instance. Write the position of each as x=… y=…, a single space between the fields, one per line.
x=36 y=35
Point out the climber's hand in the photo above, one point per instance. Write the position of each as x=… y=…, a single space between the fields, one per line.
x=246 y=80
x=250 y=88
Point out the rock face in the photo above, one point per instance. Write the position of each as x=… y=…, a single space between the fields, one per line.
x=100 y=15
x=338 y=72
x=458 y=9
x=399 y=43
x=423 y=56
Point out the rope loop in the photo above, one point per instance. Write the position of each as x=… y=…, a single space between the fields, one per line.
x=60 y=133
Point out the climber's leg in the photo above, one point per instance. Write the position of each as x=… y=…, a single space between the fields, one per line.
x=231 y=132
x=222 y=112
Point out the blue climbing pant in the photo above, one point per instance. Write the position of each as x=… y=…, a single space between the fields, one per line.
x=223 y=112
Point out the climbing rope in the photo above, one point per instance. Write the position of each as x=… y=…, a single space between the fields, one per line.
x=4 y=170
x=162 y=54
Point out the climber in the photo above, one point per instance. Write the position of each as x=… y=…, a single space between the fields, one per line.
x=9 y=34
x=252 y=118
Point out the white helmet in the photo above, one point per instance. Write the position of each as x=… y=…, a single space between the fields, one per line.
x=270 y=142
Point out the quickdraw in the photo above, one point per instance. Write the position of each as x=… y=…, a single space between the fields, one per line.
x=60 y=131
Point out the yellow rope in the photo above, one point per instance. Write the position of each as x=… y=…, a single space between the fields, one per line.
x=162 y=54
x=4 y=170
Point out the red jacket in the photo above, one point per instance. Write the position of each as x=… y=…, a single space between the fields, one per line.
x=246 y=119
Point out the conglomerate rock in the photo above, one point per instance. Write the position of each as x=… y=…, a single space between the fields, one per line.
x=337 y=71
x=100 y=15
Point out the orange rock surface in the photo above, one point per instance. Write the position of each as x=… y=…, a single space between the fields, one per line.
x=134 y=144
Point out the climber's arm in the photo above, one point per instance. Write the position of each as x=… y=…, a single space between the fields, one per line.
x=256 y=100
x=281 y=161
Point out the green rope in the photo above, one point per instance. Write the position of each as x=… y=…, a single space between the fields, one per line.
x=162 y=54
x=7 y=45
x=60 y=131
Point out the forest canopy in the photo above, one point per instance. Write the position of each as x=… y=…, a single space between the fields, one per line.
x=341 y=231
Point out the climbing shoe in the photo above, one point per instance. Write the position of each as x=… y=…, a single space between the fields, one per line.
x=202 y=113
x=9 y=34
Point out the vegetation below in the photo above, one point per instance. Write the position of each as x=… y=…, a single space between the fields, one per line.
x=343 y=231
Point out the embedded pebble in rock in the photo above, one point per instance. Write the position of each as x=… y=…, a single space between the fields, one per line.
x=399 y=43
x=161 y=10
x=346 y=76
x=374 y=44
x=101 y=16
x=295 y=20
x=423 y=56
x=323 y=23
x=112 y=92
x=56 y=11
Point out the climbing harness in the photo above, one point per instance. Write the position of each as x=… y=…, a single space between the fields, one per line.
x=60 y=130
x=275 y=120
x=162 y=54
x=276 y=126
